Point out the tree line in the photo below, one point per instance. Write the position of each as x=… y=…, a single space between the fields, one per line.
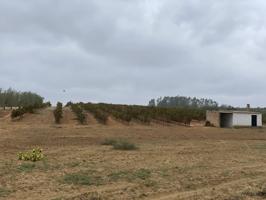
x=12 y=98
x=183 y=102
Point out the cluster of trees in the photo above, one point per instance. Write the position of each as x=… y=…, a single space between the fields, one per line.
x=182 y=101
x=12 y=98
x=144 y=114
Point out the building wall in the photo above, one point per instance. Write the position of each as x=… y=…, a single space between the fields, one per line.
x=213 y=117
x=244 y=119
x=259 y=119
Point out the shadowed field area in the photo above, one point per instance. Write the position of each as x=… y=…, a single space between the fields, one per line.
x=170 y=162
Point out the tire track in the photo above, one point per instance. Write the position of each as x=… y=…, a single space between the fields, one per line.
x=206 y=190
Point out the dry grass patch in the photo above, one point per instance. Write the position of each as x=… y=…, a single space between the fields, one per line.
x=4 y=192
x=124 y=145
x=141 y=174
x=82 y=178
x=108 y=142
x=26 y=167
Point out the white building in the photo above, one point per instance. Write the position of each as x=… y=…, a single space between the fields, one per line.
x=228 y=119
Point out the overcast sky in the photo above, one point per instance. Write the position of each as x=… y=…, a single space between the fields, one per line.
x=129 y=51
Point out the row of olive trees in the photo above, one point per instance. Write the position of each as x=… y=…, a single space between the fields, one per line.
x=12 y=98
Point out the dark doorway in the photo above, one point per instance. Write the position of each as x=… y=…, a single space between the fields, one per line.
x=254 y=120
x=226 y=120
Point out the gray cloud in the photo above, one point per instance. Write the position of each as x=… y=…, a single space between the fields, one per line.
x=130 y=51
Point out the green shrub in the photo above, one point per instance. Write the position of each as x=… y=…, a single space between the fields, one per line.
x=58 y=113
x=26 y=167
x=4 y=192
x=109 y=142
x=81 y=117
x=124 y=145
x=17 y=113
x=34 y=155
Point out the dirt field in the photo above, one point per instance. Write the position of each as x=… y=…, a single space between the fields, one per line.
x=171 y=162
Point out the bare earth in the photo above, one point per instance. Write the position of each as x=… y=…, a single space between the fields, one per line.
x=172 y=162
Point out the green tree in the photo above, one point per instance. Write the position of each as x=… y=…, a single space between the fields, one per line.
x=58 y=113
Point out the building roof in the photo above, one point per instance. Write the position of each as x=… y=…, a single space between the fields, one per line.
x=237 y=111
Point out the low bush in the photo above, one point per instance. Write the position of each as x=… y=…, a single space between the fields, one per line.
x=109 y=142
x=26 y=167
x=58 y=113
x=4 y=192
x=142 y=174
x=17 y=113
x=124 y=145
x=34 y=155
x=82 y=178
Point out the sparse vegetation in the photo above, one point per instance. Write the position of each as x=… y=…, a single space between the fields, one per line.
x=34 y=155
x=141 y=174
x=58 y=113
x=259 y=192
x=109 y=142
x=26 y=167
x=4 y=192
x=82 y=178
x=124 y=145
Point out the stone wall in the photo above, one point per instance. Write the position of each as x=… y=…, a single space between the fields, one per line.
x=213 y=117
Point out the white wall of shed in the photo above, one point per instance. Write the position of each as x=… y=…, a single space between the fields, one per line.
x=244 y=119
x=259 y=119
